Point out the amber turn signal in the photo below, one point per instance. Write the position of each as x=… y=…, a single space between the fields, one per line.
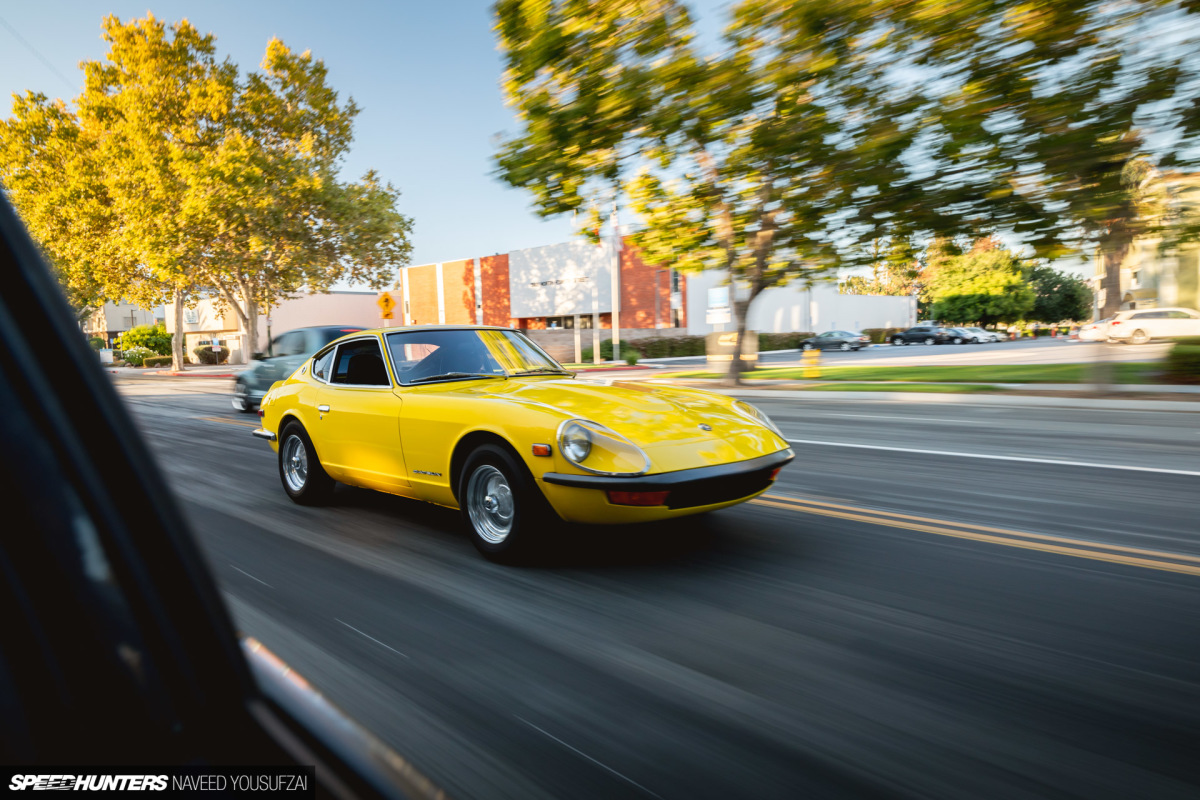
x=638 y=498
x=541 y=449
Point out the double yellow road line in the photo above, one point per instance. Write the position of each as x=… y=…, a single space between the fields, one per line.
x=228 y=421
x=1080 y=548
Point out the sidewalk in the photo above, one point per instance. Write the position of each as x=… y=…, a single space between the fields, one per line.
x=192 y=371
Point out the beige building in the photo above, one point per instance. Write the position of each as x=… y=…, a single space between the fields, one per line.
x=1150 y=278
x=211 y=321
x=113 y=319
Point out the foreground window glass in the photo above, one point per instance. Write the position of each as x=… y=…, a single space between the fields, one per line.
x=431 y=355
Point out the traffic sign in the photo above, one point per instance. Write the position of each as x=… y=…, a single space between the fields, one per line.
x=386 y=315
x=386 y=304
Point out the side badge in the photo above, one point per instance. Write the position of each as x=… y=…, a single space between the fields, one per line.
x=705 y=427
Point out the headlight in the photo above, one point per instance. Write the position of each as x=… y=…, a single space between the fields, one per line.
x=753 y=413
x=594 y=448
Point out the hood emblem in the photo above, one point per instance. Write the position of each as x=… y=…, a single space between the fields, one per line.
x=705 y=427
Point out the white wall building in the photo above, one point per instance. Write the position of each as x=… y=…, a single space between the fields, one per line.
x=784 y=309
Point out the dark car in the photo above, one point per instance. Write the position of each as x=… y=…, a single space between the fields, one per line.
x=960 y=335
x=923 y=334
x=116 y=647
x=836 y=340
x=284 y=355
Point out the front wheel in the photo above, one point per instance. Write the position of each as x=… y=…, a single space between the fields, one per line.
x=928 y=340
x=501 y=507
x=303 y=477
x=806 y=346
x=959 y=340
x=241 y=399
x=845 y=347
x=897 y=341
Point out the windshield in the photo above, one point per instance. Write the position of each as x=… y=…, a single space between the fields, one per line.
x=432 y=355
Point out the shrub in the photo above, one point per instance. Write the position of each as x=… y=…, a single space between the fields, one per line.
x=207 y=356
x=96 y=342
x=153 y=337
x=781 y=341
x=1042 y=332
x=1183 y=362
x=157 y=361
x=631 y=357
x=136 y=356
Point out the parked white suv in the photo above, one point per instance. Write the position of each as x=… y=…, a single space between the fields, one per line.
x=1141 y=325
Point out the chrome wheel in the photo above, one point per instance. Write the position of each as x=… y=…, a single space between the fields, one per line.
x=928 y=341
x=295 y=463
x=845 y=346
x=490 y=504
x=241 y=400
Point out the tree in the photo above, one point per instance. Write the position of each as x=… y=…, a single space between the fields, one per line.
x=984 y=286
x=726 y=159
x=152 y=337
x=176 y=176
x=1058 y=297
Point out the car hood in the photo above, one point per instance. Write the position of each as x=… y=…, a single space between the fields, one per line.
x=665 y=421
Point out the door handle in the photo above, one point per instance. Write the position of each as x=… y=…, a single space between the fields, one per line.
x=322 y=409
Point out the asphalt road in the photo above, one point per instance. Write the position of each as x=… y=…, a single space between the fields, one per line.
x=1025 y=351
x=888 y=622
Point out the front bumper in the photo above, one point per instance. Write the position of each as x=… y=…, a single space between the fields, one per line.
x=690 y=488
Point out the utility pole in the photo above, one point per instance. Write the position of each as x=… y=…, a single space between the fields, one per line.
x=616 y=286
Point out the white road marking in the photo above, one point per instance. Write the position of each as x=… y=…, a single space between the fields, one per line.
x=1025 y=459
x=372 y=638
x=895 y=417
x=251 y=577
x=577 y=751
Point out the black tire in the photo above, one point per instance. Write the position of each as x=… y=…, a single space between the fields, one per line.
x=806 y=346
x=929 y=340
x=960 y=340
x=897 y=341
x=310 y=486
x=496 y=473
x=241 y=398
x=845 y=347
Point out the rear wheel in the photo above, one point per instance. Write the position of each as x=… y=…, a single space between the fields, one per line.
x=1139 y=337
x=806 y=346
x=502 y=508
x=928 y=340
x=897 y=341
x=300 y=471
x=845 y=346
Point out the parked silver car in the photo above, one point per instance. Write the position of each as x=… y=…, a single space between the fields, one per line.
x=284 y=355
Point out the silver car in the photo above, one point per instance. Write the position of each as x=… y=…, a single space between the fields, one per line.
x=284 y=355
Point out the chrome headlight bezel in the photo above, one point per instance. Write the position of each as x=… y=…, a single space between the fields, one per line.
x=595 y=434
x=749 y=411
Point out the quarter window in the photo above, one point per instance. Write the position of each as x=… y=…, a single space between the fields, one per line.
x=321 y=364
x=360 y=364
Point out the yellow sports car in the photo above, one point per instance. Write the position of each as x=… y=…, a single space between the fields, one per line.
x=481 y=419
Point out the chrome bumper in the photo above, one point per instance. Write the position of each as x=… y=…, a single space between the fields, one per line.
x=263 y=433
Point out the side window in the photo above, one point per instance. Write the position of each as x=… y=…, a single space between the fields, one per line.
x=360 y=364
x=320 y=369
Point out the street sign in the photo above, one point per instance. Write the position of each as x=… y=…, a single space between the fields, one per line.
x=386 y=315
x=718 y=297
x=718 y=316
x=386 y=304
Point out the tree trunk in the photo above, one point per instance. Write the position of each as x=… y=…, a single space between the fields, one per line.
x=736 y=367
x=1113 y=249
x=178 y=360
x=249 y=320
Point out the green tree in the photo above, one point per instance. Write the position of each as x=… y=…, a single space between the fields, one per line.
x=984 y=286
x=726 y=159
x=175 y=176
x=1058 y=297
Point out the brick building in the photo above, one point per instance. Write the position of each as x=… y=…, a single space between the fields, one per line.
x=544 y=288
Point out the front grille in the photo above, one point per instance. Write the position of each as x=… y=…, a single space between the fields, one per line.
x=709 y=491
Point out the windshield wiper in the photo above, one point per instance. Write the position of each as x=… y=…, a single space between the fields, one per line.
x=544 y=371
x=447 y=376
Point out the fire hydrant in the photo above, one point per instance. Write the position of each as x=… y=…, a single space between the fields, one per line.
x=812 y=363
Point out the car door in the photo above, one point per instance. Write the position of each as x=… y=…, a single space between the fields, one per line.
x=358 y=429
x=825 y=340
x=1179 y=323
